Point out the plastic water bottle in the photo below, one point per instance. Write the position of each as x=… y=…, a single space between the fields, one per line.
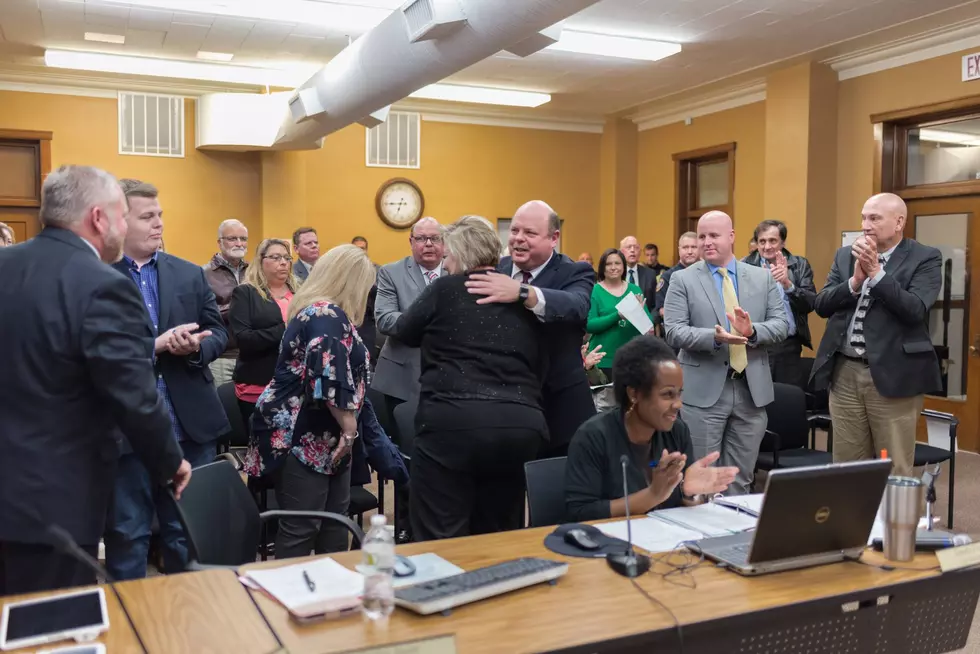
x=378 y=567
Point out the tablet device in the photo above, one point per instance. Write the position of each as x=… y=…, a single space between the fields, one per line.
x=79 y=615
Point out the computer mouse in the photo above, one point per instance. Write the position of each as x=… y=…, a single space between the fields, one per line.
x=403 y=567
x=580 y=539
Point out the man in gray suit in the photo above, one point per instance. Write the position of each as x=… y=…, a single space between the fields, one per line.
x=307 y=247
x=399 y=283
x=720 y=314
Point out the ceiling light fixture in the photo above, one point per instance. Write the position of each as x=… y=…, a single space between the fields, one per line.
x=608 y=45
x=481 y=95
x=340 y=16
x=105 y=38
x=943 y=136
x=287 y=76
x=214 y=56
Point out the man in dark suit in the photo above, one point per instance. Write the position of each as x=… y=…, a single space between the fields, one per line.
x=307 y=246
x=182 y=313
x=369 y=328
x=636 y=273
x=558 y=291
x=794 y=279
x=877 y=356
x=688 y=253
x=76 y=377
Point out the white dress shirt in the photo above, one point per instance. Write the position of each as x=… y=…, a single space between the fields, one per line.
x=517 y=273
x=425 y=273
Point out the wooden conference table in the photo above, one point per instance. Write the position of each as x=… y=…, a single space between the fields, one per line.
x=591 y=609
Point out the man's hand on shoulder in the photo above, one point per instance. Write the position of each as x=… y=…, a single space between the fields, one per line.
x=496 y=288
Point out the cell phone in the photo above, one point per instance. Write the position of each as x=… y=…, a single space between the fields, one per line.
x=79 y=615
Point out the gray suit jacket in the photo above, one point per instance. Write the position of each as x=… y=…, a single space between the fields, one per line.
x=691 y=311
x=300 y=271
x=397 y=373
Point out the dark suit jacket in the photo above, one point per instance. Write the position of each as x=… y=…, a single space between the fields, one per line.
x=300 y=271
x=186 y=296
x=258 y=326
x=801 y=297
x=647 y=281
x=567 y=287
x=899 y=349
x=77 y=375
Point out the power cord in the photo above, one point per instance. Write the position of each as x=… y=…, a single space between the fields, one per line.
x=887 y=567
x=677 y=569
x=677 y=623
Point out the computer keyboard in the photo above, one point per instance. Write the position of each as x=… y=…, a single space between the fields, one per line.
x=736 y=553
x=445 y=594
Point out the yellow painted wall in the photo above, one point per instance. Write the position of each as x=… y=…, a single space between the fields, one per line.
x=656 y=183
x=466 y=169
x=197 y=192
x=923 y=83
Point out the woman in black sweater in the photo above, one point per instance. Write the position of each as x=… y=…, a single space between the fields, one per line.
x=257 y=318
x=479 y=417
x=647 y=382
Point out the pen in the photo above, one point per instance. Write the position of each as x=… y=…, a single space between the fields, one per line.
x=309 y=582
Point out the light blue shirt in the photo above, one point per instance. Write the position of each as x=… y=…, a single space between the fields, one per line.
x=715 y=275
x=790 y=318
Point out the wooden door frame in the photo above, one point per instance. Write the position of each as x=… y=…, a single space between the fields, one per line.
x=42 y=142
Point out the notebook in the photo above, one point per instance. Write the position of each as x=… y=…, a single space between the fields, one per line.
x=327 y=589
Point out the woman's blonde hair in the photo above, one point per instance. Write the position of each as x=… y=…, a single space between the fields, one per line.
x=255 y=273
x=473 y=242
x=343 y=276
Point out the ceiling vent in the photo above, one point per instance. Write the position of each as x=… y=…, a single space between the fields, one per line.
x=432 y=19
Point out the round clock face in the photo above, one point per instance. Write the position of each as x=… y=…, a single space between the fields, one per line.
x=400 y=203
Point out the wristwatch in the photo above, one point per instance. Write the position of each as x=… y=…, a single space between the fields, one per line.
x=693 y=499
x=523 y=294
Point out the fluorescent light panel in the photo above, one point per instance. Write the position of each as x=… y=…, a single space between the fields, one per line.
x=105 y=38
x=608 y=45
x=290 y=77
x=336 y=15
x=943 y=136
x=214 y=56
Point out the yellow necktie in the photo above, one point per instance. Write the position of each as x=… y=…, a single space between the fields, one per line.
x=737 y=354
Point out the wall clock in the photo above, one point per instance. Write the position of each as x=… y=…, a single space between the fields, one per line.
x=399 y=203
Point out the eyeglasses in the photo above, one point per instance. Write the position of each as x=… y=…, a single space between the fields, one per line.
x=420 y=240
x=279 y=258
x=235 y=239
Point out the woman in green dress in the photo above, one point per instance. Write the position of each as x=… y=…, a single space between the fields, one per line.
x=607 y=326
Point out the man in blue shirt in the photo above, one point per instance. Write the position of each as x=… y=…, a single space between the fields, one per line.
x=720 y=315
x=189 y=334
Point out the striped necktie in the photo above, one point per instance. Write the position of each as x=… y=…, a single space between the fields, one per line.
x=857 y=330
x=431 y=276
x=632 y=277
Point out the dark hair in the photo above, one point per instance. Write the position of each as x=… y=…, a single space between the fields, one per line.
x=636 y=365
x=652 y=246
x=554 y=223
x=354 y=240
x=299 y=232
x=602 y=262
x=134 y=188
x=767 y=224
x=754 y=238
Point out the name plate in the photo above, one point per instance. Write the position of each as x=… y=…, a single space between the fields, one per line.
x=437 y=645
x=956 y=558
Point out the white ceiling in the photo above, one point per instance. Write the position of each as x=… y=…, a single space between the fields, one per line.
x=720 y=38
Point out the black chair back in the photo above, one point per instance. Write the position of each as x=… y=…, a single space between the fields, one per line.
x=787 y=417
x=405 y=420
x=238 y=436
x=219 y=516
x=545 y=480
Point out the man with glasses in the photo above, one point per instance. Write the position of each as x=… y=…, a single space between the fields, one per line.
x=224 y=272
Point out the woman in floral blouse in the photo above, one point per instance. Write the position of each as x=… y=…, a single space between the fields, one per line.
x=306 y=419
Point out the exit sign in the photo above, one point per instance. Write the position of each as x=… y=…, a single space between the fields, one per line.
x=971 y=67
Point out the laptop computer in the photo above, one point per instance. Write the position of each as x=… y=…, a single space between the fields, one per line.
x=810 y=516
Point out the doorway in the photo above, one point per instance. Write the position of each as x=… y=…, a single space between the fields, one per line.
x=25 y=161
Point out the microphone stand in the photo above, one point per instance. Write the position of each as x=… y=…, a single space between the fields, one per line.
x=629 y=563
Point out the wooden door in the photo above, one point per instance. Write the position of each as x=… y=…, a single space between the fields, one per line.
x=25 y=160
x=950 y=224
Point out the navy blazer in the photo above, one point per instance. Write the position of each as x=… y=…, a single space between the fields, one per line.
x=76 y=377
x=186 y=296
x=567 y=288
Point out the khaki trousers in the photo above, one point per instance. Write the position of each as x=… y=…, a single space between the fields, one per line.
x=866 y=423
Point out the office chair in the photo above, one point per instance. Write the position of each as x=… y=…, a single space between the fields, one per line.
x=238 y=436
x=221 y=520
x=931 y=455
x=817 y=406
x=785 y=444
x=545 y=480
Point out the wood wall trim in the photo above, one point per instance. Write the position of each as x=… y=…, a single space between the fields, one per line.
x=31 y=203
x=45 y=159
x=25 y=135
x=939 y=110
x=705 y=152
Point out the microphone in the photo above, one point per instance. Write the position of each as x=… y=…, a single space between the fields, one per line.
x=64 y=542
x=628 y=564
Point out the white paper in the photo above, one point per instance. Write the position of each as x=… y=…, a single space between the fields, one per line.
x=938 y=433
x=428 y=567
x=650 y=534
x=707 y=519
x=631 y=309
x=288 y=586
x=878 y=528
x=751 y=504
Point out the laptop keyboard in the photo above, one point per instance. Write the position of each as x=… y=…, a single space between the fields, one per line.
x=736 y=553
